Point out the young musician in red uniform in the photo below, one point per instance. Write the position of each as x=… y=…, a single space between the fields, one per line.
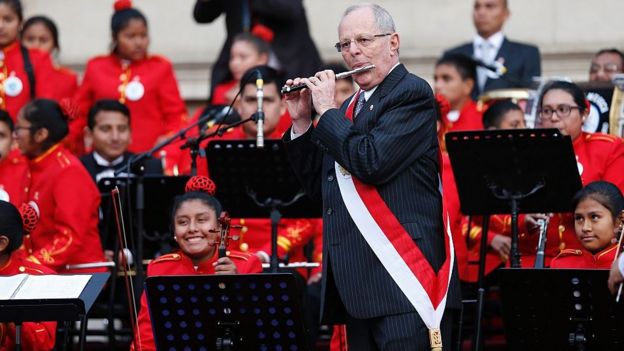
x=16 y=62
x=247 y=51
x=502 y=114
x=145 y=83
x=36 y=336
x=255 y=234
x=61 y=187
x=194 y=216
x=598 y=215
x=454 y=78
x=40 y=32
x=598 y=156
x=13 y=165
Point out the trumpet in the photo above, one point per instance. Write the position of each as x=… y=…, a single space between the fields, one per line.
x=289 y=89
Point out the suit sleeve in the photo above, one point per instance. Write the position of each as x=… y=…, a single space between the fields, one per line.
x=533 y=66
x=72 y=214
x=402 y=133
x=283 y=10
x=170 y=101
x=208 y=11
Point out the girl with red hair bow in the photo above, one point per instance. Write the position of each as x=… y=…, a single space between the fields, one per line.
x=194 y=221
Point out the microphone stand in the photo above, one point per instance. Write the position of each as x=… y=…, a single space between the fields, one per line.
x=140 y=191
x=193 y=143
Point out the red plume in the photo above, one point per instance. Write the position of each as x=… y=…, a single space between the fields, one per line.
x=122 y=5
x=263 y=32
x=201 y=183
x=587 y=105
x=30 y=216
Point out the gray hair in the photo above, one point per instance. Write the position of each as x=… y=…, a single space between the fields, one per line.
x=383 y=19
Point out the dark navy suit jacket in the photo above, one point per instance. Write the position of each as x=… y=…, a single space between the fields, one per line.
x=521 y=60
x=391 y=144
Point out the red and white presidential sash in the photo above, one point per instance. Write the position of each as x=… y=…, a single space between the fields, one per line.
x=401 y=257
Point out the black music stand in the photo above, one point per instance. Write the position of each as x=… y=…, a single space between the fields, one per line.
x=227 y=312
x=258 y=182
x=156 y=201
x=560 y=309
x=511 y=171
x=60 y=310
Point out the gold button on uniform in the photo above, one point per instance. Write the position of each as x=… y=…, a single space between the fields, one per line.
x=244 y=247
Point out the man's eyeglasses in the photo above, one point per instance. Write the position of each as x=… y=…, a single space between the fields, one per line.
x=562 y=111
x=607 y=68
x=361 y=41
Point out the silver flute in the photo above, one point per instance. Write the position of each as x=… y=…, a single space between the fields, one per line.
x=289 y=89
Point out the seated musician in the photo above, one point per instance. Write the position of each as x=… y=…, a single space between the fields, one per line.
x=62 y=188
x=562 y=105
x=35 y=335
x=454 y=78
x=293 y=234
x=194 y=217
x=598 y=213
x=502 y=114
x=13 y=165
x=108 y=126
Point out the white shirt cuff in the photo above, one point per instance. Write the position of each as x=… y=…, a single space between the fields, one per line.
x=621 y=264
x=294 y=135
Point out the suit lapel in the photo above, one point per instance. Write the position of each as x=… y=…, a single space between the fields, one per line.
x=503 y=53
x=382 y=90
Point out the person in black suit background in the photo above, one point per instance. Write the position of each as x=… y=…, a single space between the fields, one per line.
x=282 y=23
x=390 y=152
x=108 y=126
x=491 y=47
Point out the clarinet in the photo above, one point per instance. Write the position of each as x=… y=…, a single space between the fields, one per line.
x=541 y=242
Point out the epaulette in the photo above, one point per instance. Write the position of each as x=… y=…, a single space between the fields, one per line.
x=167 y=258
x=240 y=255
x=570 y=252
x=600 y=137
x=62 y=160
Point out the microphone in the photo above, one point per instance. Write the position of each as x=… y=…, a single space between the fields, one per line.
x=260 y=113
x=495 y=66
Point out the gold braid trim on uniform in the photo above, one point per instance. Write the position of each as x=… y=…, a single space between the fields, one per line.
x=601 y=137
x=168 y=257
x=241 y=256
x=294 y=233
x=48 y=255
x=475 y=231
x=284 y=243
x=613 y=247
